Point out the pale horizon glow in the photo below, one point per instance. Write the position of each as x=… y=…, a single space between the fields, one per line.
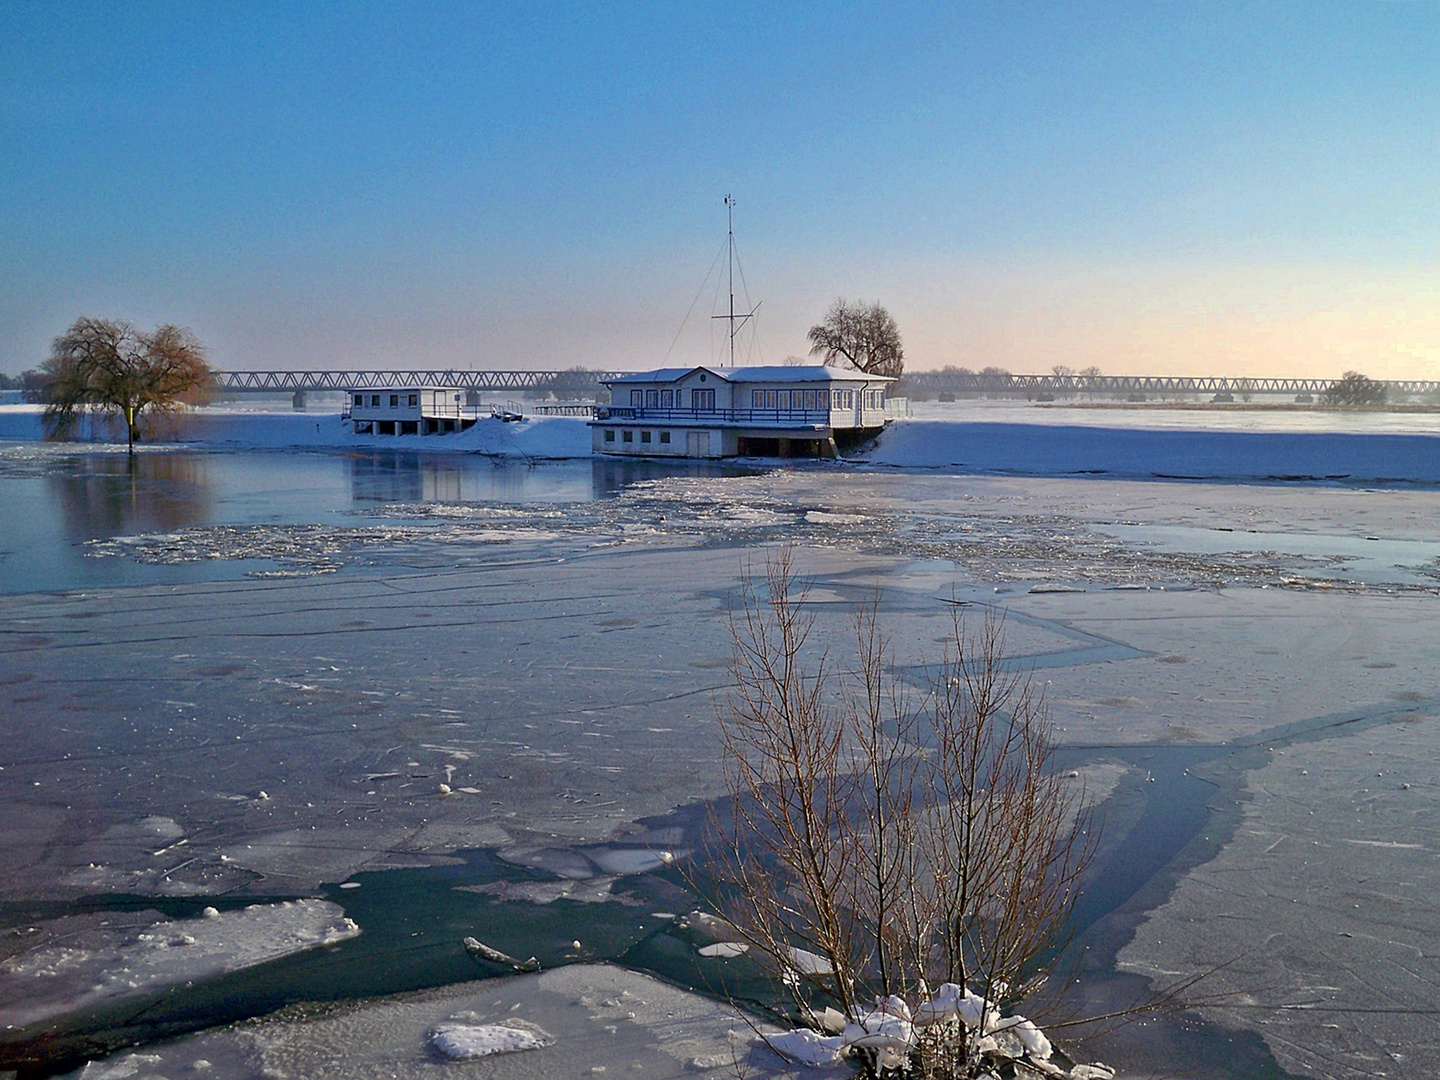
x=1224 y=189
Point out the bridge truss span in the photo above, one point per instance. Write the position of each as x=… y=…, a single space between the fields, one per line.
x=580 y=381
x=284 y=382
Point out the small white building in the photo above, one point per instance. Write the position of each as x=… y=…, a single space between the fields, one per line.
x=409 y=410
x=705 y=412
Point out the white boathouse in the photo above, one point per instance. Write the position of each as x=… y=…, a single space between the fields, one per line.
x=409 y=410
x=705 y=412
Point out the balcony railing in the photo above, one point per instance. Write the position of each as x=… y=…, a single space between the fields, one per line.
x=777 y=417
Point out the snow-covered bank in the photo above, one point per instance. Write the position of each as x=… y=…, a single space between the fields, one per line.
x=1050 y=450
x=535 y=437
x=1024 y=448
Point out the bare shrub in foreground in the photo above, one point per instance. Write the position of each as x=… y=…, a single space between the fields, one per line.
x=884 y=842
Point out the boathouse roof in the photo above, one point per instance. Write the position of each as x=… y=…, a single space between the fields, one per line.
x=773 y=373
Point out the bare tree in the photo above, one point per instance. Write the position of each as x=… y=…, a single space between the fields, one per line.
x=885 y=843
x=104 y=365
x=861 y=335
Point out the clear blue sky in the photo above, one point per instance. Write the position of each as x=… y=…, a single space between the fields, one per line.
x=1225 y=188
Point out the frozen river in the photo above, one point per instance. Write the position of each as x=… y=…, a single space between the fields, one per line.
x=238 y=681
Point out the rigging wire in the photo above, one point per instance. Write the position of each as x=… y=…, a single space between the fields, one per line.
x=705 y=281
x=751 y=318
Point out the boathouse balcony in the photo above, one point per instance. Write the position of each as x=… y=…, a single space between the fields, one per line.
x=751 y=417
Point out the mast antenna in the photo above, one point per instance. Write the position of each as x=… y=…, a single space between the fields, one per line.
x=735 y=326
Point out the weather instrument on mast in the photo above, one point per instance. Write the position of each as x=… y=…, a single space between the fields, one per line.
x=736 y=321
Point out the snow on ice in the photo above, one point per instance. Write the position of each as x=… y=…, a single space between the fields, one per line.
x=102 y=964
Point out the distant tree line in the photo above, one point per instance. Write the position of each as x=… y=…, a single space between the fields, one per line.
x=31 y=382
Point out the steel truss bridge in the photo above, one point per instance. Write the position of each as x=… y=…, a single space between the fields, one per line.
x=286 y=382
x=577 y=381
x=1148 y=385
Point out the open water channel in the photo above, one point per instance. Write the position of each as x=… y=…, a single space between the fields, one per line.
x=239 y=678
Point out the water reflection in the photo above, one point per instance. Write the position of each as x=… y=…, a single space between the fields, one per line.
x=383 y=477
x=611 y=476
x=82 y=496
x=102 y=495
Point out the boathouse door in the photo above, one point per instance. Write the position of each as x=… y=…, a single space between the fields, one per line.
x=697 y=444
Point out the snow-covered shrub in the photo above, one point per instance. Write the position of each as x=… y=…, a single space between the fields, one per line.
x=898 y=842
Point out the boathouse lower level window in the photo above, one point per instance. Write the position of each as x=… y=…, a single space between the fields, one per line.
x=609 y=434
x=644 y=436
x=627 y=436
x=664 y=438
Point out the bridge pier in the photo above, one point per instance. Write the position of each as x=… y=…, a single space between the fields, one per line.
x=297 y=402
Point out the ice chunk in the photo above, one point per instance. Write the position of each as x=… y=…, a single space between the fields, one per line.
x=495 y=956
x=562 y=862
x=163 y=828
x=809 y=963
x=807 y=1047
x=630 y=860
x=54 y=980
x=724 y=949
x=129 y=1065
x=462 y=1041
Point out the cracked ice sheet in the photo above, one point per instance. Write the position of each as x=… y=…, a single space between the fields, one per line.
x=603 y=1020
x=77 y=963
x=296 y=732
x=1325 y=907
x=1223 y=665
x=293 y=733
x=561 y=698
x=346 y=699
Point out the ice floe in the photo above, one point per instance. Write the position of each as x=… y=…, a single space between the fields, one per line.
x=101 y=963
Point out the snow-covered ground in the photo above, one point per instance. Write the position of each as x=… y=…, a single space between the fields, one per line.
x=590 y=1020
x=1050 y=449
x=979 y=437
x=537 y=437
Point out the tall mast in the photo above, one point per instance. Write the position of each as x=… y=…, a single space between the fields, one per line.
x=730 y=248
x=730 y=239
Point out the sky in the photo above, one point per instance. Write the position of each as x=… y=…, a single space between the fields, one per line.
x=1238 y=189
